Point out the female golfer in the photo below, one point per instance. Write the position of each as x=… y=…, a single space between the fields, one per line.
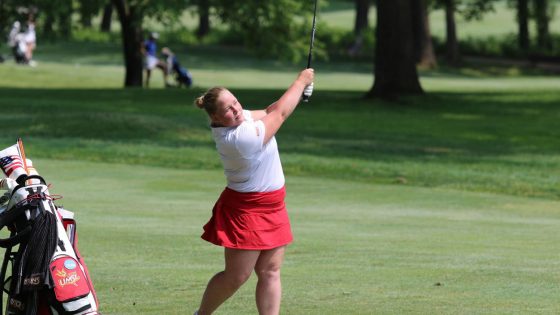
x=249 y=219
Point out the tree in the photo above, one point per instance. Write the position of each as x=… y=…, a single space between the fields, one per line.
x=361 y=23
x=426 y=58
x=8 y=15
x=395 y=58
x=130 y=18
x=523 y=24
x=88 y=9
x=203 y=18
x=65 y=18
x=470 y=10
x=451 y=42
x=131 y=15
x=362 y=16
x=268 y=27
x=107 y=16
x=54 y=16
x=542 y=17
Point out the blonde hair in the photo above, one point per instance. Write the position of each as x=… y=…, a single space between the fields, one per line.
x=208 y=101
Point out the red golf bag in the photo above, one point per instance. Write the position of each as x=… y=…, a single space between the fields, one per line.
x=48 y=274
x=42 y=272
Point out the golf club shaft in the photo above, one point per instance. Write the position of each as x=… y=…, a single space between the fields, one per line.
x=310 y=55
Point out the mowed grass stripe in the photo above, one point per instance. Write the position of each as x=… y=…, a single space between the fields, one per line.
x=359 y=248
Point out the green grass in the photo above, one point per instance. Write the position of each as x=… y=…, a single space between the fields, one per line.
x=359 y=248
x=441 y=204
x=476 y=129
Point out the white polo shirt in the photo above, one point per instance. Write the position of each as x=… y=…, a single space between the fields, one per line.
x=249 y=165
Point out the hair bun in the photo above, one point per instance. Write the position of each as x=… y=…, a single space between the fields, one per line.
x=199 y=102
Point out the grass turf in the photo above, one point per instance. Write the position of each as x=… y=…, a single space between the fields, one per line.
x=359 y=248
x=496 y=134
x=445 y=203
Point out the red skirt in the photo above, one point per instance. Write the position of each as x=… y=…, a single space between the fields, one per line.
x=252 y=221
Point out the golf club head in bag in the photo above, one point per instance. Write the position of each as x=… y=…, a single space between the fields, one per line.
x=48 y=275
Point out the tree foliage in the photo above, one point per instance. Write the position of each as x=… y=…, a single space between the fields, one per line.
x=53 y=16
x=270 y=27
x=8 y=14
x=88 y=9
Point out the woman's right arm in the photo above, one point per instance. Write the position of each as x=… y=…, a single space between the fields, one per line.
x=279 y=111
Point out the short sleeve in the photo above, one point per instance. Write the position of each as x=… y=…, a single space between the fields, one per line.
x=250 y=138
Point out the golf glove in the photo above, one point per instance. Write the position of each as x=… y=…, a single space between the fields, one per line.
x=308 y=90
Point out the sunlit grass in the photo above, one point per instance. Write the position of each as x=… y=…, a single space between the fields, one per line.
x=358 y=247
x=439 y=204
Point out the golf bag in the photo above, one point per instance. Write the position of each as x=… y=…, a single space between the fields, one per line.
x=47 y=273
x=19 y=49
x=182 y=75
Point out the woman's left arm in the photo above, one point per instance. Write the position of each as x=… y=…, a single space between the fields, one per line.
x=259 y=114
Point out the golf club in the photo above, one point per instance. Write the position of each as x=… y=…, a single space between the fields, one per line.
x=310 y=56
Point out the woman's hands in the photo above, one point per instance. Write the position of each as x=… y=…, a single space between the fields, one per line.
x=278 y=112
x=306 y=77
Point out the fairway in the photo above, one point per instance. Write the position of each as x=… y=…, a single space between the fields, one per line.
x=446 y=202
x=359 y=248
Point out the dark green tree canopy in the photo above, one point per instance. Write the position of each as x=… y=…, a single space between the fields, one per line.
x=276 y=28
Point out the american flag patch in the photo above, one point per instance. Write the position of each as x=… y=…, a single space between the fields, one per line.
x=10 y=163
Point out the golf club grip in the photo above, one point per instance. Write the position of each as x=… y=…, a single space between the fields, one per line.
x=304 y=97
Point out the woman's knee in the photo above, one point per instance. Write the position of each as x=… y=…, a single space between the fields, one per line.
x=237 y=279
x=269 y=264
x=271 y=273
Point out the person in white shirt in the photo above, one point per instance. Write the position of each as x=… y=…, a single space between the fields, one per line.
x=12 y=42
x=17 y=43
x=30 y=39
x=250 y=219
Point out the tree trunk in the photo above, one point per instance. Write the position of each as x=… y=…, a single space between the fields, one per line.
x=107 y=16
x=203 y=19
x=3 y=18
x=361 y=23
x=86 y=21
x=362 y=14
x=395 y=62
x=86 y=13
x=65 y=19
x=65 y=25
x=523 y=24
x=452 y=45
x=131 y=31
x=48 y=29
x=425 y=57
x=544 y=41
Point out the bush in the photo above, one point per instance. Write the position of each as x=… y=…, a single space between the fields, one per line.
x=95 y=36
x=499 y=47
x=338 y=44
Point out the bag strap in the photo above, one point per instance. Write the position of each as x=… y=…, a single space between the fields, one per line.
x=22 y=184
x=16 y=238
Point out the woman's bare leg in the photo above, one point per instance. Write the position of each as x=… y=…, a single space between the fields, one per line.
x=269 y=286
x=239 y=266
